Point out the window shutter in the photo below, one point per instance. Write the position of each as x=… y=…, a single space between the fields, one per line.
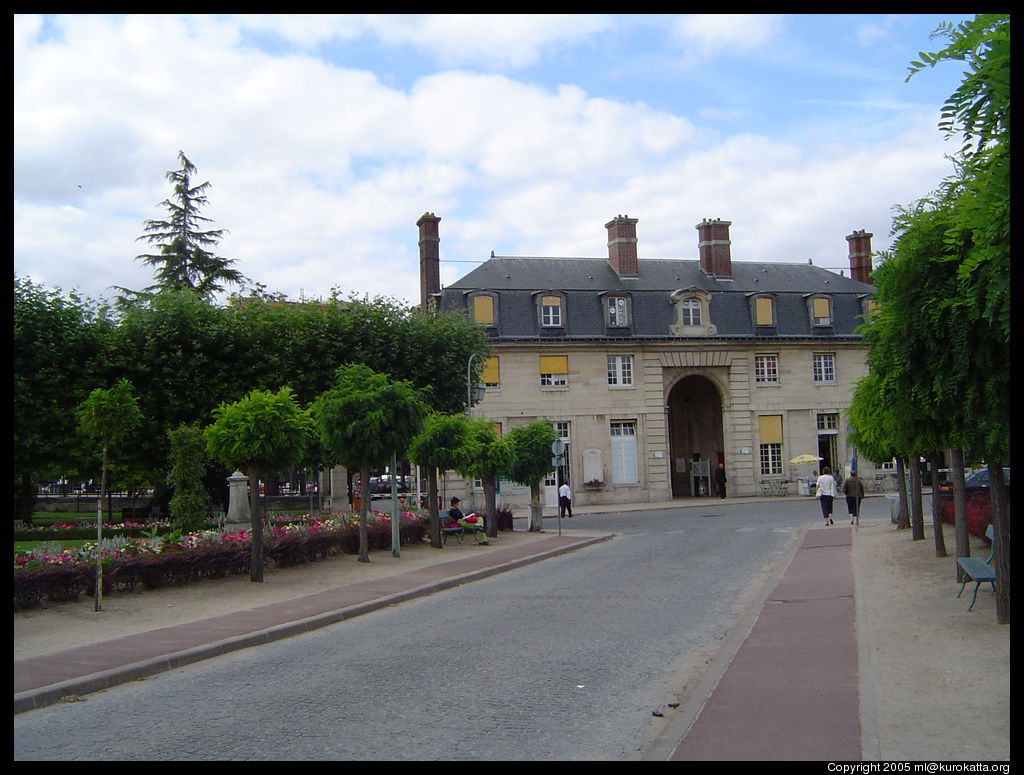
x=770 y=426
x=820 y=308
x=554 y=364
x=763 y=312
x=491 y=375
x=483 y=310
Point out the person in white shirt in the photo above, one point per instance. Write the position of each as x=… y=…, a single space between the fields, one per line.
x=827 y=491
x=564 y=501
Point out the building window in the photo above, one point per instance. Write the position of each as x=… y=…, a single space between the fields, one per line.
x=766 y=369
x=689 y=312
x=620 y=370
x=821 y=311
x=483 y=310
x=770 y=438
x=771 y=459
x=764 y=311
x=824 y=367
x=551 y=311
x=561 y=429
x=554 y=371
x=617 y=311
x=491 y=375
x=828 y=422
x=623 y=452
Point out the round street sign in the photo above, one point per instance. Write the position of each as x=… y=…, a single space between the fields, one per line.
x=557 y=447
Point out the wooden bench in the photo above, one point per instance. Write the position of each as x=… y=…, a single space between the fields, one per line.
x=977 y=571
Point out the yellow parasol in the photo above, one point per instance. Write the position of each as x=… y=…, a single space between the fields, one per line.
x=805 y=459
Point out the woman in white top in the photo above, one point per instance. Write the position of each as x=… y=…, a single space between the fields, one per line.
x=826 y=492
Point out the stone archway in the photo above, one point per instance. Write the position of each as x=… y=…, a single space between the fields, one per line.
x=695 y=429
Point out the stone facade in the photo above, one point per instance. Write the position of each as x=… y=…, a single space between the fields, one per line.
x=655 y=371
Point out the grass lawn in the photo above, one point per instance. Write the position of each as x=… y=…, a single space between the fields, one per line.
x=31 y=546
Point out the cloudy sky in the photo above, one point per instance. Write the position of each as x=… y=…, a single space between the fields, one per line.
x=325 y=137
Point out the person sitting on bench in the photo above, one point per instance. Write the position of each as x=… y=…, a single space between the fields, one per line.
x=467 y=521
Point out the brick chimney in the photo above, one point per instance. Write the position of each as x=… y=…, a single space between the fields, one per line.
x=860 y=256
x=622 y=246
x=430 y=258
x=714 y=247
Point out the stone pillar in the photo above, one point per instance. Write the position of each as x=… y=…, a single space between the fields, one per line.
x=337 y=501
x=238 y=516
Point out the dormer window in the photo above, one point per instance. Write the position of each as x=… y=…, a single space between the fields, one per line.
x=616 y=311
x=483 y=309
x=764 y=311
x=821 y=310
x=552 y=313
x=692 y=318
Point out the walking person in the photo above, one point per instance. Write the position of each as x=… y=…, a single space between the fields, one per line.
x=564 y=501
x=720 y=479
x=853 y=489
x=826 y=494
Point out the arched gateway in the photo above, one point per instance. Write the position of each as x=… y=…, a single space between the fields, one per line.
x=695 y=432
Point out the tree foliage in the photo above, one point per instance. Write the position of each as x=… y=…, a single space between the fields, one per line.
x=260 y=434
x=364 y=419
x=189 y=498
x=185 y=260
x=107 y=415
x=61 y=350
x=438 y=446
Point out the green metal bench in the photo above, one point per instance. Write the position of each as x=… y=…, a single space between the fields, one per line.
x=449 y=530
x=977 y=571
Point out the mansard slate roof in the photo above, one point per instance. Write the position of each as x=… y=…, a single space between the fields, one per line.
x=583 y=281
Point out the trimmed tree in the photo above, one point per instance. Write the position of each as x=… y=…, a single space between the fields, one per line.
x=487 y=457
x=262 y=434
x=531 y=460
x=438 y=445
x=364 y=419
x=108 y=416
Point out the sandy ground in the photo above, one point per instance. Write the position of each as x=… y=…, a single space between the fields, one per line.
x=935 y=678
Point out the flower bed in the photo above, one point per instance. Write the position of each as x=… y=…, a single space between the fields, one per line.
x=174 y=559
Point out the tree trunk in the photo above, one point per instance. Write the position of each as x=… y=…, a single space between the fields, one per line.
x=940 y=542
x=961 y=539
x=99 y=532
x=537 y=506
x=24 y=498
x=916 y=507
x=903 y=519
x=255 y=525
x=1001 y=531
x=435 y=520
x=364 y=510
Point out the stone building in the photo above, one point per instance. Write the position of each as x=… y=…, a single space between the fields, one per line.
x=654 y=371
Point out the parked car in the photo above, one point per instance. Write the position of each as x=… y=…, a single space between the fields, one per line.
x=979 y=502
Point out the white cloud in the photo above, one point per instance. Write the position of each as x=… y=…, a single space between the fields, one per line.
x=708 y=34
x=319 y=172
